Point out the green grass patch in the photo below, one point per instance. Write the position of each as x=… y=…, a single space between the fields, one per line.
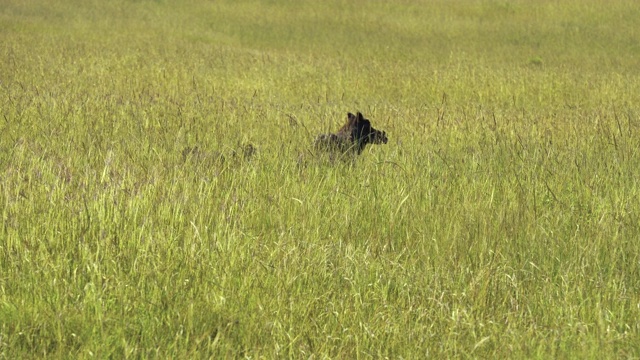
x=500 y=221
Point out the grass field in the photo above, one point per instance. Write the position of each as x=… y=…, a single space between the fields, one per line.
x=500 y=221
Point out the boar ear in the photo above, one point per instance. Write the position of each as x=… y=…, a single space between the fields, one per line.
x=360 y=117
x=350 y=116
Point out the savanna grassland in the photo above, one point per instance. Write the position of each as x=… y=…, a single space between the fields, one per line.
x=160 y=197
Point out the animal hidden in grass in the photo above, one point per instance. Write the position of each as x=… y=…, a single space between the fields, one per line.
x=352 y=137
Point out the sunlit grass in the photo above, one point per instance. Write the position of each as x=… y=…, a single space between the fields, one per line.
x=500 y=220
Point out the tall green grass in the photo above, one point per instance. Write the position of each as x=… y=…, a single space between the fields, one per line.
x=500 y=221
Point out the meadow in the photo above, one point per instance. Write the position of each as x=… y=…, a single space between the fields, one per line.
x=500 y=221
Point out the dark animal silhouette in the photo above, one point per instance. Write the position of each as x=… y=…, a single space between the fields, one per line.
x=352 y=137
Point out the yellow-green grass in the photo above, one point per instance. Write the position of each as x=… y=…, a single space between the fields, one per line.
x=500 y=221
